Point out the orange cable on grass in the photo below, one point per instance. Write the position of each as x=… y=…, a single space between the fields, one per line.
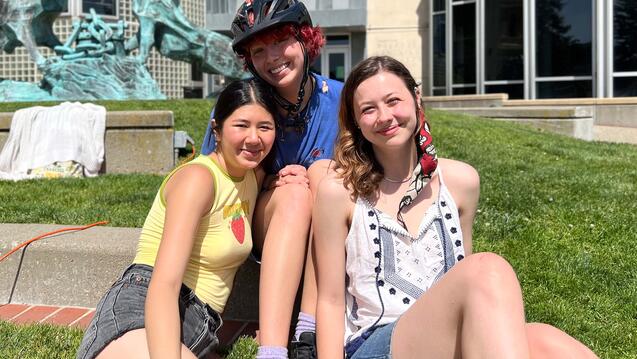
x=48 y=234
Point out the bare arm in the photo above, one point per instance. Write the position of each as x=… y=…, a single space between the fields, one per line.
x=463 y=182
x=330 y=218
x=189 y=195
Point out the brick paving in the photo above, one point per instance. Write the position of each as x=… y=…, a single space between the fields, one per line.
x=81 y=317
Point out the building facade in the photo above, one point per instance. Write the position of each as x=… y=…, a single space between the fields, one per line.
x=532 y=49
x=529 y=49
x=175 y=79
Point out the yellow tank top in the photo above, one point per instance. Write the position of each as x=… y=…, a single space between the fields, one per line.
x=223 y=240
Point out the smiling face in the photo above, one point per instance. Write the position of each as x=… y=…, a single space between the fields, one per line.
x=279 y=61
x=385 y=110
x=245 y=139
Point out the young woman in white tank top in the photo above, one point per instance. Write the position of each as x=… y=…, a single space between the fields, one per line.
x=396 y=278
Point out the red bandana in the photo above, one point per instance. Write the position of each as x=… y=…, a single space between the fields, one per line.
x=427 y=163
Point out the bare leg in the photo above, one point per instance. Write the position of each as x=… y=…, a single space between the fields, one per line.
x=133 y=345
x=281 y=228
x=474 y=311
x=548 y=342
x=316 y=172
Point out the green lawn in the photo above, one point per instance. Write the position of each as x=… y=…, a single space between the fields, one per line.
x=562 y=211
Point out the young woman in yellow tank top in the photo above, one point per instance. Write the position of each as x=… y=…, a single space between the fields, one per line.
x=196 y=235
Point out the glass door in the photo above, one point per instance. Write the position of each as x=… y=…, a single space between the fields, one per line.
x=335 y=65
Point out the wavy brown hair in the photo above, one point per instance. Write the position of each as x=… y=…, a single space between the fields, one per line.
x=353 y=155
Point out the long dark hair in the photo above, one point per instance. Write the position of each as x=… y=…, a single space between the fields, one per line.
x=353 y=154
x=240 y=93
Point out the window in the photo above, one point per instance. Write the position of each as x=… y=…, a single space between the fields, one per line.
x=464 y=44
x=564 y=89
x=439 y=51
x=564 y=37
x=504 y=43
x=101 y=7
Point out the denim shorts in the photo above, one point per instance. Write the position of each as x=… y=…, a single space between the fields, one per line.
x=121 y=310
x=377 y=345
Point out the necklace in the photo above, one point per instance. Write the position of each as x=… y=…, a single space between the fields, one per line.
x=391 y=180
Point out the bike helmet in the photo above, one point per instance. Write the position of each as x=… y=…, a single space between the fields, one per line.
x=258 y=15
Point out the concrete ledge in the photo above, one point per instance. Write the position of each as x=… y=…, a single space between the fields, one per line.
x=581 y=128
x=488 y=100
x=574 y=102
x=575 y=122
x=76 y=269
x=135 y=141
x=526 y=112
x=615 y=134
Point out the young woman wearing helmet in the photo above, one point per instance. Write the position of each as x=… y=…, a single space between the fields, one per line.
x=278 y=42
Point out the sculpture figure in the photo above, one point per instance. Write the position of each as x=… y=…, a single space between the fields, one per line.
x=95 y=61
x=29 y=23
x=163 y=24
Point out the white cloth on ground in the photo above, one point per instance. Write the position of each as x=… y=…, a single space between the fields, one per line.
x=40 y=136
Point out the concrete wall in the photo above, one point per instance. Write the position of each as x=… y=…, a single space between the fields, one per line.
x=396 y=28
x=135 y=141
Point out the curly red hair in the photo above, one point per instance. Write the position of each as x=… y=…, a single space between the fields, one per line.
x=312 y=38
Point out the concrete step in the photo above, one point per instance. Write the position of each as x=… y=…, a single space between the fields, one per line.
x=76 y=269
x=575 y=121
x=615 y=134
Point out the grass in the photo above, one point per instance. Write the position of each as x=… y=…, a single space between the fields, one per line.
x=562 y=211
x=38 y=341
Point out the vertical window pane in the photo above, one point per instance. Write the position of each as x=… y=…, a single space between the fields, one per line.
x=464 y=44
x=439 y=5
x=336 y=66
x=102 y=7
x=624 y=86
x=464 y=91
x=625 y=32
x=439 y=48
x=440 y=92
x=564 y=37
x=565 y=89
x=515 y=92
x=504 y=52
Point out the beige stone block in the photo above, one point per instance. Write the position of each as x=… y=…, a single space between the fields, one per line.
x=581 y=128
x=616 y=115
x=384 y=13
x=404 y=46
x=138 y=150
x=3 y=138
x=135 y=141
x=615 y=134
x=486 y=100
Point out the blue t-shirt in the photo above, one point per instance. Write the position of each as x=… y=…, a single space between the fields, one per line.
x=318 y=137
